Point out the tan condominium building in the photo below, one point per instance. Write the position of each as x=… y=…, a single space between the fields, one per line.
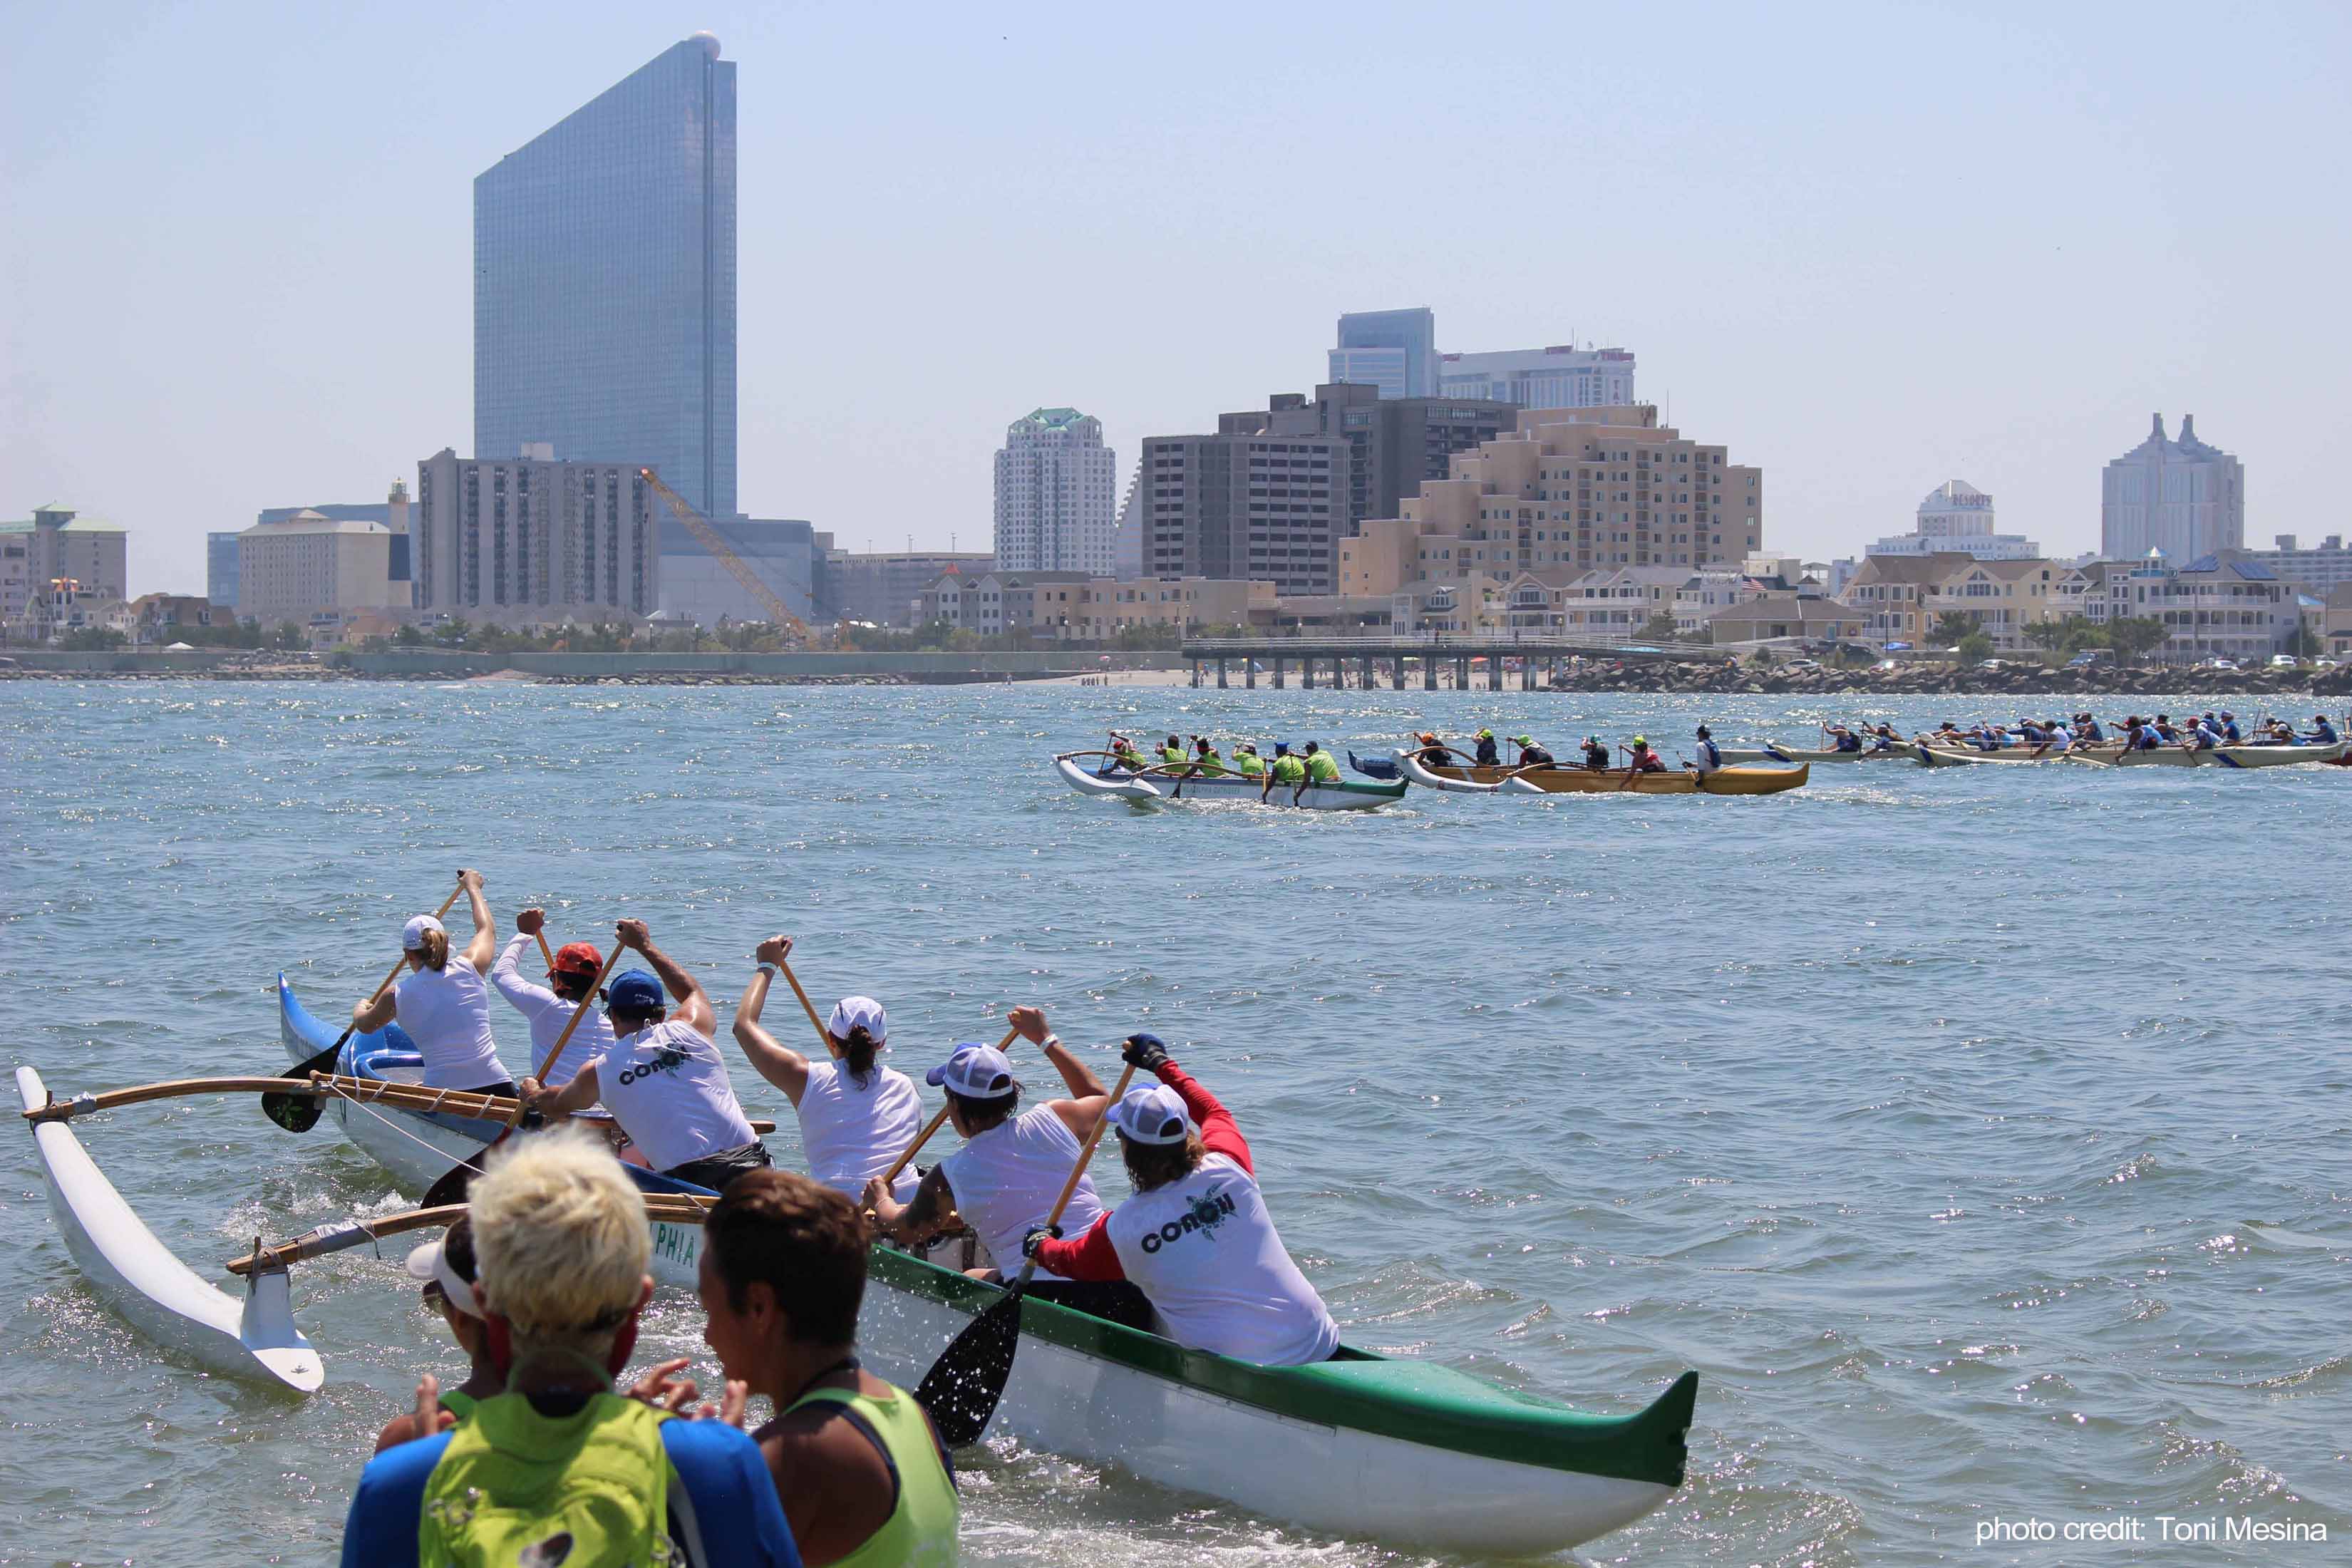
x=56 y=546
x=1564 y=492
x=1071 y=606
x=309 y=562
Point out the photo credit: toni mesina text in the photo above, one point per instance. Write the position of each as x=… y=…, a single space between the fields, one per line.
x=2148 y=1530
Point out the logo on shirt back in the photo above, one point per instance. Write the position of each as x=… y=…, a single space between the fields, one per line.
x=669 y=1058
x=1209 y=1211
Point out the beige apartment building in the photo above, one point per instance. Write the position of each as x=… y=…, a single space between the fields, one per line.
x=1072 y=606
x=54 y=551
x=1565 y=492
x=308 y=562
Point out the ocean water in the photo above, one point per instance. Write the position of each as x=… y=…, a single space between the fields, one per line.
x=1982 y=1136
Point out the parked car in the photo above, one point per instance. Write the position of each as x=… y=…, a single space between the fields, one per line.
x=2215 y=663
x=2283 y=661
x=1801 y=664
x=1991 y=664
x=1889 y=664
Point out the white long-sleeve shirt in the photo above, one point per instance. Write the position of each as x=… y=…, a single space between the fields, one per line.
x=548 y=1012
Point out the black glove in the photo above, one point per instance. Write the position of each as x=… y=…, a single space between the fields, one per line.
x=1036 y=1238
x=1144 y=1053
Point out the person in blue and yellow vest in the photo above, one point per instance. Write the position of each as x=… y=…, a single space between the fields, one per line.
x=865 y=1482
x=560 y=1469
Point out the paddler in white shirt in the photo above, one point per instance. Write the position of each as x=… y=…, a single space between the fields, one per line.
x=1195 y=1235
x=549 y=1007
x=1005 y=1179
x=663 y=1079
x=443 y=1005
x=856 y=1116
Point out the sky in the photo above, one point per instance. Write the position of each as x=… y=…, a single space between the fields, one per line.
x=1869 y=248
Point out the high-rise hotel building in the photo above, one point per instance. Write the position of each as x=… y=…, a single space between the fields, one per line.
x=605 y=282
x=1057 y=495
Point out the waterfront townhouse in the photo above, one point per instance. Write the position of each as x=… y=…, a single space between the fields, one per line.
x=1893 y=592
x=2225 y=605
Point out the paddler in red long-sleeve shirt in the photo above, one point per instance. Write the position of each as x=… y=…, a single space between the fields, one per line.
x=1195 y=1237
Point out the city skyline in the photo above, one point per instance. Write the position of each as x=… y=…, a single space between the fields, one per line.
x=255 y=289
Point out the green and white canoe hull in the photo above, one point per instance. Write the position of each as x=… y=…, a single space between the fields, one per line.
x=1401 y=1450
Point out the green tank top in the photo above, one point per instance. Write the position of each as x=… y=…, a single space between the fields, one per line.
x=1250 y=766
x=921 y=1531
x=512 y=1479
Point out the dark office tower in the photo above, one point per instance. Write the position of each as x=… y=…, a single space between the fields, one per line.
x=605 y=282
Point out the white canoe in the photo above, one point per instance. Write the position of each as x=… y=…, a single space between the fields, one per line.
x=1966 y=756
x=419 y=1149
x=1343 y=794
x=2173 y=755
x=160 y=1297
x=1773 y=751
x=1405 y=1450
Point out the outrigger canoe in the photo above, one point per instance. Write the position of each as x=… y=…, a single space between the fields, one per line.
x=147 y=1285
x=2172 y=756
x=1596 y=781
x=1772 y=752
x=1964 y=756
x=1361 y=1445
x=1170 y=780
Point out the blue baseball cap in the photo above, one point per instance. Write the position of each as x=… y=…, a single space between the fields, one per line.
x=634 y=991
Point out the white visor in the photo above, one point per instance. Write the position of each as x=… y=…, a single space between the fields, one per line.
x=428 y=1263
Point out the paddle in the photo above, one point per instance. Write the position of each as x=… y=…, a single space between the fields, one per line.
x=962 y=1390
x=301 y=1114
x=451 y=1187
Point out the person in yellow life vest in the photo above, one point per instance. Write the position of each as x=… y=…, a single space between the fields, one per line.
x=858 y=1465
x=1170 y=752
x=1205 y=758
x=559 y=1467
x=1247 y=762
x=1124 y=754
x=1287 y=771
x=1320 y=768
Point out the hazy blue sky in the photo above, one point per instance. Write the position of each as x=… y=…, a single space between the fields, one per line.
x=1870 y=247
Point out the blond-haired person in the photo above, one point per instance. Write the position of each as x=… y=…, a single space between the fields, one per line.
x=560 y=1467
x=444 y=1002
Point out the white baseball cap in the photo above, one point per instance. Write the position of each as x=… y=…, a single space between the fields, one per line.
x=413 y=934
x=1152 y=1114
x=428 y=1262
x=976 y=1072
x=851 y=1012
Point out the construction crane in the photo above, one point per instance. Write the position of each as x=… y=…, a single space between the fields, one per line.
x=783 y=619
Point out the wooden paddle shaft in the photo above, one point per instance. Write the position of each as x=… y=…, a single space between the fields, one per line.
x=929 y=1127
x=1085 y=1157
x=556 y=1051
x=545 y=952
x=824 y=1038
x=676 y=1208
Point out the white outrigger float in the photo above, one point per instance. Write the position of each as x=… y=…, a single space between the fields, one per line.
x=1773 y=751
x=1360 y=1445
x=147 y=1285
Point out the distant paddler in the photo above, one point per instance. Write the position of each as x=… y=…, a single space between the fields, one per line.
x=1434 y=753
x=1247 y=762
x=1205 y=762
x=1641 y=760
x=2323 y=733
x=1287 y=773
x=1171 y=751
x=854 y=1113
x=2088 y=731
x=1530 y=754
x=443 y=1003
x=2141 y=734
x=1489 y=754
x=663 y=1079
x=1842 y=739
x=1124 y=754
x=1596 y=754
x=1320 y=768
x=1195 y=1234
x=570 y=979
x=2199 y=736
x=1882 y=739
x=1710 y=756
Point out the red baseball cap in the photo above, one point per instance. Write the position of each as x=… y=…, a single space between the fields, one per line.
x=577 y=958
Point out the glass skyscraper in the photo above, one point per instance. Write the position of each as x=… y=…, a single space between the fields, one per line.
x=604 y=281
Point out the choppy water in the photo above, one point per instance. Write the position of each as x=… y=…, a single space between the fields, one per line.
x=1981 y=1136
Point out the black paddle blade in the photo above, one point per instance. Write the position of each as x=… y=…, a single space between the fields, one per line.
x=301 y=1112
x=960 y=1391
x=453 y=1185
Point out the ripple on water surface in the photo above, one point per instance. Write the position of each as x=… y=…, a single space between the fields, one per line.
x=1983 y=1158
